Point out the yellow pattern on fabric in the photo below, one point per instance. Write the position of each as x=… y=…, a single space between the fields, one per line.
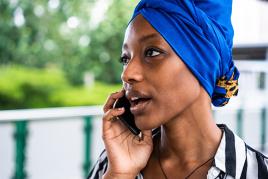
x=231 y=86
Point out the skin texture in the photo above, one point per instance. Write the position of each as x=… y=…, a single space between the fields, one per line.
x=178 y=103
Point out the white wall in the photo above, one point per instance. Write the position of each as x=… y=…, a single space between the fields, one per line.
x=250 y=21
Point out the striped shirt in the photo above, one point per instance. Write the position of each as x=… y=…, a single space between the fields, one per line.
x=233 y=160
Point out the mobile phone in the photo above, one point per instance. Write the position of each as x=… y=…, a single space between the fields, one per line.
x=127 y=118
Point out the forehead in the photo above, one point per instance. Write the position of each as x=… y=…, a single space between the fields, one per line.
x=139 y=30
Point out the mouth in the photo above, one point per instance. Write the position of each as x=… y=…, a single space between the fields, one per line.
x=138 y=104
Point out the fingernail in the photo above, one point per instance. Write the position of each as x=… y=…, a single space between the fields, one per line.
x=120 y=109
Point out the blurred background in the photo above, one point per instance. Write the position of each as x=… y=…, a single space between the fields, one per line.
x=59 y=62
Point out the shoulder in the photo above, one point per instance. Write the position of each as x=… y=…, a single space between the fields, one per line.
x=100 y=167
x=256 y=161
x=237 y=159
x=257 y=153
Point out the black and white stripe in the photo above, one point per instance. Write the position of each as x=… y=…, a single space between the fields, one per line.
x=237 y=160
x=233 y=160
x=100 y=167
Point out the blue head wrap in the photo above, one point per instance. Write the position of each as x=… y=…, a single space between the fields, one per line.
x=201 y=34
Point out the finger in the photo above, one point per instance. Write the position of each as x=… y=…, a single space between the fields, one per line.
x=111 y=99
x=110 y=116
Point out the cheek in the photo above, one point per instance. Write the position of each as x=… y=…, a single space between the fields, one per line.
x=184 y=87
x=174 y=90
x=176 y=94
x=172 y=97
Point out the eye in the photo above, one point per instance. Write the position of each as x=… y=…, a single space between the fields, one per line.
x=124 y=59
x=152 y=52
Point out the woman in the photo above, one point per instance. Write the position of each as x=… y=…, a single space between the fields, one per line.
x=176 y=60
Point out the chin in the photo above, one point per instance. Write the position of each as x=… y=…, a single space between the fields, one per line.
x=146 y=123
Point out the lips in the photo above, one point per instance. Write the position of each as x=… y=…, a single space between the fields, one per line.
x=139 y=102
x=139 y=108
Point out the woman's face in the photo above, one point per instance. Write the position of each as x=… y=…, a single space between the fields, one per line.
x=157 y=82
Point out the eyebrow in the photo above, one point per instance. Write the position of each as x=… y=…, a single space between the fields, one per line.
x=147 y=37
x=144 y=38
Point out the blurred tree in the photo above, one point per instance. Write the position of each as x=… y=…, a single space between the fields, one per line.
x=8 y=33
x=72 y=35
x=106 y=41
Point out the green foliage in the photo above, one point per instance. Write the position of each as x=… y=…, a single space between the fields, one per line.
x=22 y=87
x=80 y=96
x=43 y=54
x=105 y=49
x=45 y=38
x=29 y=88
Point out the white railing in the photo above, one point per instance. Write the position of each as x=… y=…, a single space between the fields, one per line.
x=49 y=113
x=20 y=123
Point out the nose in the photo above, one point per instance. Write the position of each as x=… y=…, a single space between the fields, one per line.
x=132 y=72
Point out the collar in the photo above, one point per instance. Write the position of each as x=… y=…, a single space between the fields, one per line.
x=231 y=154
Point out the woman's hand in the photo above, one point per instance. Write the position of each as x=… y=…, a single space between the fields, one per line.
x=127 y=154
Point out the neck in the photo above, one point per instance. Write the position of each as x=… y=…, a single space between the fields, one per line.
x=192 y=137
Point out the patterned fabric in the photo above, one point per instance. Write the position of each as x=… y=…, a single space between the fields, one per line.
x=233 y=160
x=225 y=89
x=201 y=34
